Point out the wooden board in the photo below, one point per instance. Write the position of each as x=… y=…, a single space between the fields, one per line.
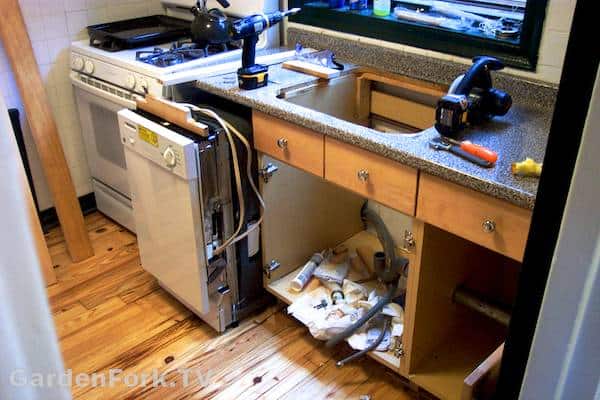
x=38 y=236
x=311 y=69
x=172 y=112
x=481 y=383
x=412 y=287
x=18 y=48
x=404 y=82
x=401 y=110
x=444 y=371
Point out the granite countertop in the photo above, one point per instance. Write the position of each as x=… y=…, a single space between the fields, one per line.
x=521 y=133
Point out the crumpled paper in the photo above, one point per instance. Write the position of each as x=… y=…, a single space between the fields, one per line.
x=324 y=319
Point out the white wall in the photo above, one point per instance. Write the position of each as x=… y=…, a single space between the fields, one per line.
x=27 y=336
x=557 y=25
x=52 y=25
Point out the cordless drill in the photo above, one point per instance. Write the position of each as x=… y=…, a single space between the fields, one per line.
x=252 y=75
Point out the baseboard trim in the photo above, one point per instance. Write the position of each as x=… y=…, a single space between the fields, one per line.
x=49 y=218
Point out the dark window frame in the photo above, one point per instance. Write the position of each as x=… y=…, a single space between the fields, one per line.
x=523 y=55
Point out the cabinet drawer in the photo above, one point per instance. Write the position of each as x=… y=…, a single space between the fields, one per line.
x=378 y=178
x=289 y=143
x=489 y=222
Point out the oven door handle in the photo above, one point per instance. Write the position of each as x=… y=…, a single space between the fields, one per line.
x=105 y=95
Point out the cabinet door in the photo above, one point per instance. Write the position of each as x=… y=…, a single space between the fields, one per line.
x=304 y=214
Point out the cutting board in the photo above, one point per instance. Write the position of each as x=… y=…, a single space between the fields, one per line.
x=311 y=69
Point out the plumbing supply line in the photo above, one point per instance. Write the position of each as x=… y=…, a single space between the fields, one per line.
x=371 y=347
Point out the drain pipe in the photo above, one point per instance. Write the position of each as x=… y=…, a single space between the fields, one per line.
x=388 y=267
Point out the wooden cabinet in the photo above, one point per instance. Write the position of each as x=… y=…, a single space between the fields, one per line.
x=489 y=222
x=462 y=240
x=288 y=142
x=373 y=176
x=448 y=344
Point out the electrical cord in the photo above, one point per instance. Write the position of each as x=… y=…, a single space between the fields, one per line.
x=228 y=128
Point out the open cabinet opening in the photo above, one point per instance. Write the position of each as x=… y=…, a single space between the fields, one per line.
x=304 y=215
x=451 y=339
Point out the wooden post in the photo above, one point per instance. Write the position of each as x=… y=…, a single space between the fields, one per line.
x=43 y=128
x=38 y=235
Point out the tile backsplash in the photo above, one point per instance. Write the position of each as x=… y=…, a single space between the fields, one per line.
x=52 y=26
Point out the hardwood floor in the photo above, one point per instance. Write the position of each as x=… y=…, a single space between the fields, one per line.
x=111 y=315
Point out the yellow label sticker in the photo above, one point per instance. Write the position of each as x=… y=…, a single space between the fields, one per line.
x=148 y=136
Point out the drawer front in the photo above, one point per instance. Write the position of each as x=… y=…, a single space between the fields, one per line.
x=489 y=222
x=370 y=175
x=289 y=143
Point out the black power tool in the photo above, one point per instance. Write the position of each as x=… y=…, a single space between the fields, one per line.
x=213 y=27
x=252 y=75
x=472 y=99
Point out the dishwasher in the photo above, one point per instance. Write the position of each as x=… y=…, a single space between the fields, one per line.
x=181 y=189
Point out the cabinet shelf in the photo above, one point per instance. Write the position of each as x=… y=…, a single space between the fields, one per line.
x=280 y=289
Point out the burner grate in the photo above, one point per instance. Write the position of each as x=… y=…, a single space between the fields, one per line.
x=182 y=51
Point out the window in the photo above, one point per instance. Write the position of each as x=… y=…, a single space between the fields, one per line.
x=507 y=29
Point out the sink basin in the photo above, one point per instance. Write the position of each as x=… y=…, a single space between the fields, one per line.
x=385 y=102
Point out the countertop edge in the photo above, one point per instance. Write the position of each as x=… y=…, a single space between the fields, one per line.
x=494 y=189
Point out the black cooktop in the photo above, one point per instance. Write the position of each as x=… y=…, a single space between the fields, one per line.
x=138 y=32
x=182 y=51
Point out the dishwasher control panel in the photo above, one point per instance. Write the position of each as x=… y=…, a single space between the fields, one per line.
x=159 y=144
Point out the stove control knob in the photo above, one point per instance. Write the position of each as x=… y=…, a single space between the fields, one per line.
x=88 y=67
x=143 y=84
x=170 y=157
x=77 y=63
x=130 y=82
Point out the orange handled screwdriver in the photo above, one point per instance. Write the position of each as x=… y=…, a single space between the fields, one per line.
x=475 y=149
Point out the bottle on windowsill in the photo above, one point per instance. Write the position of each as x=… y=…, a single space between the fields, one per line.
x=381 y=8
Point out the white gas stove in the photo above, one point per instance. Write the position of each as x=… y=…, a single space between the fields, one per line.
x=126 y=69
x=106 y=81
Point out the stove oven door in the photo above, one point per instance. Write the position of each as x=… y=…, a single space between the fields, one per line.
x=105 y=153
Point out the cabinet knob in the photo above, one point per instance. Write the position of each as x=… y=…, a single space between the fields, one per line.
x=282 y=143
x=488 y=226
x=363 y=175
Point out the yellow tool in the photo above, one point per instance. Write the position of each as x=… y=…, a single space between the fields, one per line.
x=527 y=167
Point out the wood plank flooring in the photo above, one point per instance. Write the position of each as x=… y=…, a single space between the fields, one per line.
x=111 y=315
